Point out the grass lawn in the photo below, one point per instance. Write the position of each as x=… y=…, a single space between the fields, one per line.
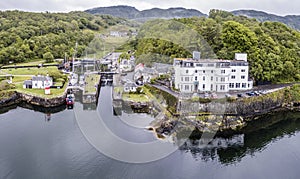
x=91 y=83
x=30 y=71
x=108 y=44
x=31 y=63
x=20 y=79
x=135 y=97
x=40 y=92
x=118 y=89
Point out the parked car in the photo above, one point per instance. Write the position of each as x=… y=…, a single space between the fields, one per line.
x=262 y=92
x=240 y=95
x=206 y=95
x=214 y=95
x=227 y=95
x=256 y=93
x=250 y=93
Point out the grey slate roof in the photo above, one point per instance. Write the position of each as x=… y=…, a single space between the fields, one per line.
x=162 y=67
x=41 y=78
x=130 y=84
x=27 y=82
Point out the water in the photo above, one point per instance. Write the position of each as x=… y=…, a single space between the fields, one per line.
x=31 y=146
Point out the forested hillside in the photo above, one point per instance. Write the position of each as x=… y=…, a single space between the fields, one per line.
x=28 y=36
x=273 y=48
x=129 y=12
x=290 y=20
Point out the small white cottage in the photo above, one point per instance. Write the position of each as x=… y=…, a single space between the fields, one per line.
x=130 y=87
x=38 y=82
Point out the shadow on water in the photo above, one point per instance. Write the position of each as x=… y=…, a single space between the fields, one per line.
x=256 y=136
x=51 y=110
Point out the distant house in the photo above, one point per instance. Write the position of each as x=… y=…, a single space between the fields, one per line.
x=118 y=33
x=127 y=65
x=130 y=87
x=162 y=68
x=144 y=74
x=38 y=82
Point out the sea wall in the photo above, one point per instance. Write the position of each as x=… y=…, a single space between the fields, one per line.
x=229 y=116
x=241 y=107
x=44 y=102
x=10 y=99
x=16 y=98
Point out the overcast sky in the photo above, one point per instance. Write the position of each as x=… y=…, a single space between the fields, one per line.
x=280 y=7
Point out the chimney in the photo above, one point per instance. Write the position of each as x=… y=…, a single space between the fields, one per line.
x=241 y=56
x=196 y=55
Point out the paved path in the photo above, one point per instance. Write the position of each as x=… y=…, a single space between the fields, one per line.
x=168 y=90
x=267 y=88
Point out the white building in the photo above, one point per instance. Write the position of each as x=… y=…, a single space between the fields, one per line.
x=127 y=65
x=130 y=87
x=204 y=75
x=38 y=82
x=144 y=73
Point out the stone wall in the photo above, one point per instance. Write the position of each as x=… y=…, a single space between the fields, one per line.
x=241 y=107
x=17 y=97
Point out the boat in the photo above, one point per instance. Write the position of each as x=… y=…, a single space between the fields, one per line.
x=70 y=99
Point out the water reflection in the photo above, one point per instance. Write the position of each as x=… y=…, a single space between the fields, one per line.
x=257 y=135
x=231 y=150
x=51 y=110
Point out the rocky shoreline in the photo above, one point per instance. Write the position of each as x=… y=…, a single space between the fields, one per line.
x=16 y=98
x=237 y=124
x=225 y=118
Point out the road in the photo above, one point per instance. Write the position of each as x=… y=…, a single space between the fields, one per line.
x=266 y=88
x=168 y=90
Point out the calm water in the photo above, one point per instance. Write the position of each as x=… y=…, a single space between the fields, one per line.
x=32 y=146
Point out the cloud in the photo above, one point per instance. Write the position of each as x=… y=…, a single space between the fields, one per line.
x=281 y=7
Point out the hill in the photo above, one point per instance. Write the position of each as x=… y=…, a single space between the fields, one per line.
x=272 y=47
x=28 y=36
x=290 y=20
x=129 y=12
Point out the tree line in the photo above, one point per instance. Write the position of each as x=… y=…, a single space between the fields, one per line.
x=26 y=36
x=273 y=48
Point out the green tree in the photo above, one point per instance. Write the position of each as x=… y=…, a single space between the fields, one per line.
x=48 y=57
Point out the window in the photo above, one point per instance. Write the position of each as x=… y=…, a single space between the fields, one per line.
x=222 y=79
x=212 y=71
x=203 y=86
x=233 y=70
x=231 y=85
x=196 y=78
x=233 y=77
x=211 y=87
x=237 y=85
x=242 y=77
x=187 y=71
x=216 y=78
x=186 y=87
x=222 y=87
x=196 y=71
x=187 y=79
x=203 y=78
x=199 y=65
x=210 y=65
x=181 y=78
x=222 y=71
x=243 y=85
x=211 y=78
x=243 y=70
x=203 y=71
